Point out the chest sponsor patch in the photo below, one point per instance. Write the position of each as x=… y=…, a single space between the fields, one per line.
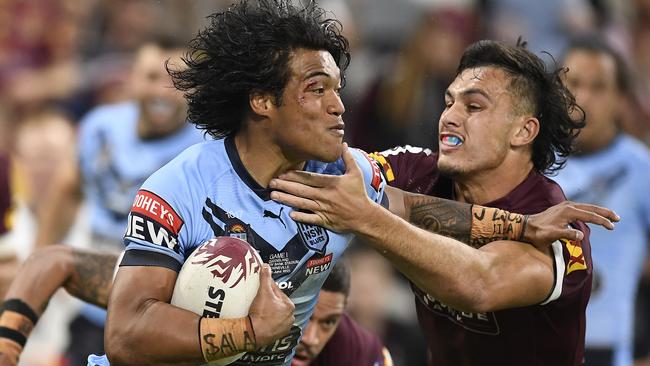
x=319 y=265
x=576 y=256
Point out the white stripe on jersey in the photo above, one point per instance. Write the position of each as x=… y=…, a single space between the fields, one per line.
x=560 y=267
x=406 y=148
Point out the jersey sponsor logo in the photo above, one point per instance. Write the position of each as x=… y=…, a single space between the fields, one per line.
x=406 y=149
x=319 y=265
x=145 y=228
x=227 y=262
x=375 y=183
x=483 y=323
x=576 y=256
x=381 y=160
x=152 y=206
x=314 y=237
x=273 y=354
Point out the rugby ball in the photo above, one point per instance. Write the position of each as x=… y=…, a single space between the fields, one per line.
x=219 y=280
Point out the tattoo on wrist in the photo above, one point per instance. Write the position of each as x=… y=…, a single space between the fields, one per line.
x=490 y=224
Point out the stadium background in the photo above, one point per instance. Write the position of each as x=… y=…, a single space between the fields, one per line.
x=60 y=58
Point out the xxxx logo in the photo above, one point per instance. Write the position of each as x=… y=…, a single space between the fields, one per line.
x=576 y=256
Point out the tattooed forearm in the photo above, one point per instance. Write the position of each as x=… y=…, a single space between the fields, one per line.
x=92 y=276
x=445 y=217
x=471 y=224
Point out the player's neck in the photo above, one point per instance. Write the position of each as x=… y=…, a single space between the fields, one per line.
x=262 y=159
x=490 y=185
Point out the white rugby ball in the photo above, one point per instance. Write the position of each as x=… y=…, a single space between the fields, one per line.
x=219 y=280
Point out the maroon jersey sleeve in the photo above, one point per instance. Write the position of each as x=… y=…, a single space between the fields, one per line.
x=409 y=168
x=352 y=345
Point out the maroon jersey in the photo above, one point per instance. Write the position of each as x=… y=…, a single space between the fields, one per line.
x=551 y=333
x=352 y=345
x=5 y=194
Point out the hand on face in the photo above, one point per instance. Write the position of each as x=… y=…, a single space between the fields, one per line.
x=334 y=202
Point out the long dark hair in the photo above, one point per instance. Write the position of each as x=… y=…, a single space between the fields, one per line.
x=245 y=50
x=541 y=94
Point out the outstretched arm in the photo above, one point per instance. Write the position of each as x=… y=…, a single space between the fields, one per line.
x=457 y=274
x=84 y=274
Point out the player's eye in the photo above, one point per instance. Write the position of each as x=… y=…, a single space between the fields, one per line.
x=319 y=90
x=474 y=107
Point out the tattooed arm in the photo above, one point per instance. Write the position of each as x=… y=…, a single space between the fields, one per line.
x=478 y=225
x=85 y=274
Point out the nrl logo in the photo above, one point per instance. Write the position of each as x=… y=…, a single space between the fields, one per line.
x=314 y=237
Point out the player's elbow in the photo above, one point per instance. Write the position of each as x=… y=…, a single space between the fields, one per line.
x=120 y=348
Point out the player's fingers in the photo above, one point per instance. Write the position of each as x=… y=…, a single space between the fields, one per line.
x=590 y=217
x=571 y=234
x=307 y=218
x=294 y=201
x=294 y=188
x=307 y=178
x=602 y=211
x=351 y=165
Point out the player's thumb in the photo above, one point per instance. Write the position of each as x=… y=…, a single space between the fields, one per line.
x=266 y=280
x=348 y=159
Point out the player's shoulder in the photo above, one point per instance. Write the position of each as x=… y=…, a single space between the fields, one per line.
x=635 y=151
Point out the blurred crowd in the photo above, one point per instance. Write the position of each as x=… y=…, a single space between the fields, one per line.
x=61 y=59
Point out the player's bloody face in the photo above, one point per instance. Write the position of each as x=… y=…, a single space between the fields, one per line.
x=477 y=125
x=308 y=123
x=321 y=327
x=162 y=106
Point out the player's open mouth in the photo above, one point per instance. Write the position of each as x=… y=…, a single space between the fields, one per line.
x=451 y=140
x=301 y=358
x=160 y=106
x=339 y=129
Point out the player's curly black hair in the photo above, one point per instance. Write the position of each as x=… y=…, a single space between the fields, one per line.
x=245 y=50
x=541 y=93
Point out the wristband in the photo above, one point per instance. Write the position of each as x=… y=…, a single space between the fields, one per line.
x=220 y=338
x=490 y=224
x=17 y=320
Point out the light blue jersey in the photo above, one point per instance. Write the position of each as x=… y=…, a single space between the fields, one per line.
x=618 y=178
x=115 y=161
x=207 y=192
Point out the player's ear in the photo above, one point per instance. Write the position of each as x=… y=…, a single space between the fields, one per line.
x=525 y=132
x=261 y=103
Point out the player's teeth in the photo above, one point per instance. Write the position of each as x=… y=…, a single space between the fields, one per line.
x=452 y=140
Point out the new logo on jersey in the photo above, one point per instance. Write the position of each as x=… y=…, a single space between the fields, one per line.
x=154 y=220
x=237 y=231
x=319 y=265
x=576 y=257
x=314 y=237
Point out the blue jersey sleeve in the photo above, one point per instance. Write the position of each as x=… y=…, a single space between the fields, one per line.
x=372 y=177
x=160 y=225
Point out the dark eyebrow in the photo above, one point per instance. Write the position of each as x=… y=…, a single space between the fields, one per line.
x=468 y=92
x=317 y=73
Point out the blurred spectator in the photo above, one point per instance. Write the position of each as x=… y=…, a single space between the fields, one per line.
x=400 y=106
x=43 y=146
x=611 y=169
x=120 y=145
x=376 y=300
x=546 y=25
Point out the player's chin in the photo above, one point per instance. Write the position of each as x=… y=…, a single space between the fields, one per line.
x=330 y=151
x=300 y=360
